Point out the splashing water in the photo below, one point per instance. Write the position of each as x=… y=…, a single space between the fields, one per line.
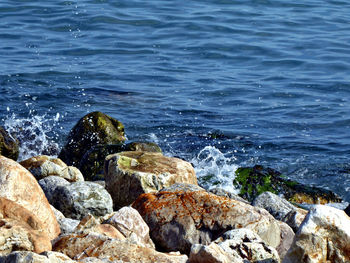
x=214 y=169
x=36 y=134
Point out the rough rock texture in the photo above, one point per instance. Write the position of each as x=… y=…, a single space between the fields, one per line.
x=20 y=229
x=129 y=222
x=80 y=246
x=177 y=220
x=248 y=245
x=68 y=225
x=78 y=199
x=30 y=257
x=182 y=187
x=287 y=237
x=43 y=166
x=324 y=236
x=222 y=192
x=212 y=253
x=92 y=162
x=281 y=209
x=253 y=181
x=49 y=185
x=8 y=145
x=129 y=174
x=15 y=181
x=93 y=129
x=90 y=224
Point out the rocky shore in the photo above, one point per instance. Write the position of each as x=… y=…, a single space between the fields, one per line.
x=103 y=200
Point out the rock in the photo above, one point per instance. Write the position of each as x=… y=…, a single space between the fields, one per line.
x=93 y=129
x=20 y=229
x=253 y=181
x=30 y=257
x=78 y=199
x=58 y=214
x=221 y=192
x=8 y=145
x=80 y=246
x=287 y=237
x=129 y=222
x=212 y=254
x=43 y=166
x=324 y=236
x=248 y=245
x=177 y=187
x=177 y=220
x=143 y=147
x=68 y=225
x=347 y=210
x=49 y=185
x=129 y=174
x=280 y=209
x=89 y=224
x=14 y=184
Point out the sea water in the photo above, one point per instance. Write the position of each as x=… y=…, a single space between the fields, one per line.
x=219 y=83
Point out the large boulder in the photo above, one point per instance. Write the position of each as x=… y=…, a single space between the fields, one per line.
x=281 y=209
x=19 y=185
x=80 y=246
x=129 y=174
x=129 y=222
x=93 y=129
x=43 y=166
x=20 y=229
x=31 y=257
x=8 y=145
x=49 y=185
x=79 y=199
x=324 y=236
x=252 y=181
x=177 y=220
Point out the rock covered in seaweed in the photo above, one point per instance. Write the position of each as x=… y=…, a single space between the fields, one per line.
x=129 y=174
x=19 y=185
x=43 y=166
x=178 y=220
x=93 y=129
x=253 y=181
x=8 y=145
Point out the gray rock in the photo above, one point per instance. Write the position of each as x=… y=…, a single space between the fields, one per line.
x=78 y=199
x=221 y=192
x=49 y=185
x=182 y=187
x=68 y=225
x=31 y=257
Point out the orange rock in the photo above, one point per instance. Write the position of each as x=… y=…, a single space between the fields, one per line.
x=20 y=229
x=178 y=220
x=20 y=186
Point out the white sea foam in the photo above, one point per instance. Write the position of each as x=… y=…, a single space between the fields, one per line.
x=215 y=169
x=35 y=133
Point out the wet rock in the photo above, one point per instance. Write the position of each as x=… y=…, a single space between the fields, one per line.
x=49 y=185
x=324 y=236
x=80 y=246
x=14 y=184
x=31 y=257
x=93 y=129
x=143 y=147
x=253 y=181
x=20 y=229
x=129 y=222
x=8 y=145
x=129 y=174
x=347 y=210
x=43 y=166
x=281 y=209
x=177 y=220
x=79 y=199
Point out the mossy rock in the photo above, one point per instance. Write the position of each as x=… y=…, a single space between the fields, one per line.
x=252 y=181
x=9 y=146
x=93 y=129
x=91 y=164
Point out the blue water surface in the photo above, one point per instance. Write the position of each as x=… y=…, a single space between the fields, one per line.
x=230 y=83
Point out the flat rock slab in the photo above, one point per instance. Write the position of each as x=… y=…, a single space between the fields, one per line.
x=177 y=220
x=129 y=174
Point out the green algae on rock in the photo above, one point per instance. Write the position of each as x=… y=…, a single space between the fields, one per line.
x=252 y=181
x=8 y=145
x=93 y=129
x=91 y=164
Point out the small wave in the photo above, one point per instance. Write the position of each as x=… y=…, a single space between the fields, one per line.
x=36 y=134
x=215 y=169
